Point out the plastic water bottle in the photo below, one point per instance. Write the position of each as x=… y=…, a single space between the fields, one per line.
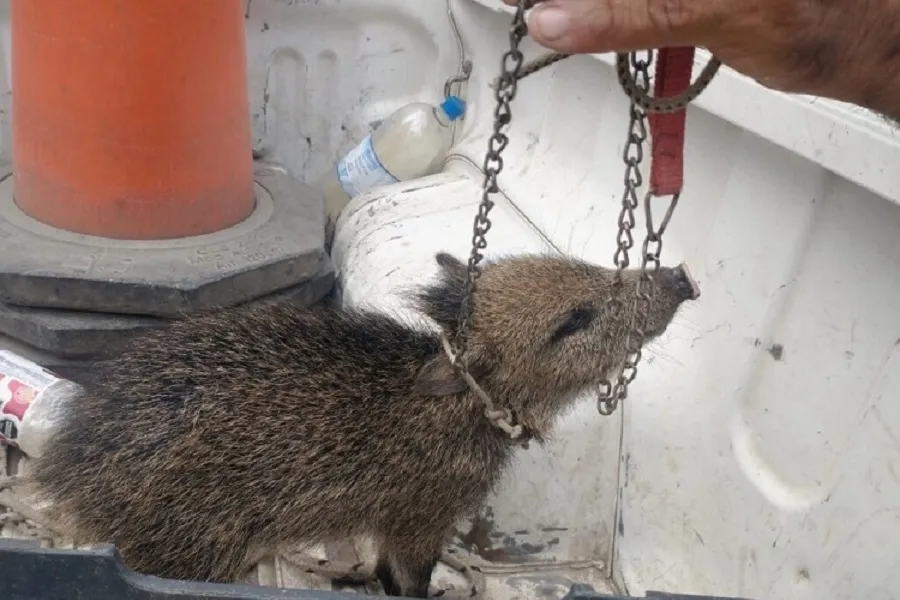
x=32 y=399
x=410 y=143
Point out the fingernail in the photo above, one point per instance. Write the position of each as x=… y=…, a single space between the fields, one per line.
x=549 y=23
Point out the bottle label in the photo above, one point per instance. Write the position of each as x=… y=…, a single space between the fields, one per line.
x=21 y=382
x=361 y=170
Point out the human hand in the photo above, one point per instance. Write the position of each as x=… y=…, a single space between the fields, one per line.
x=843 y=49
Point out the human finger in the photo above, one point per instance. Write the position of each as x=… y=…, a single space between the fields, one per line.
x=587 y=26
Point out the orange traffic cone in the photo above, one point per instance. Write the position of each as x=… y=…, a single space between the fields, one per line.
x=131 y=117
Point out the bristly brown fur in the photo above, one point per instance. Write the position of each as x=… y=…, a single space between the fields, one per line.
x=211 y=442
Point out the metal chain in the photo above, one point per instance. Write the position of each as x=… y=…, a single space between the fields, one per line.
x=611 y=394
x=536 y=64
x=632 y=89
x=504 y=92
x=637 y=88
x=640 y=95
x=633 y=155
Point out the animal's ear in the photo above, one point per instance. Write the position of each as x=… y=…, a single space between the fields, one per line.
x=451 y=265
x=439 y=378
x=443 y=299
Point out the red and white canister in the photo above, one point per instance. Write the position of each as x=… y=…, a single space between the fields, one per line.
x=32 y=399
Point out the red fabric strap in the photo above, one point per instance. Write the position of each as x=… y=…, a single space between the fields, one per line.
x=673 y=76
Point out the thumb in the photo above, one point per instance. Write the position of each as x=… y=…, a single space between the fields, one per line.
x=588 y=26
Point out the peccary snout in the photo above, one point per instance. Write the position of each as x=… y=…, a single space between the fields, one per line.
x=681 y=282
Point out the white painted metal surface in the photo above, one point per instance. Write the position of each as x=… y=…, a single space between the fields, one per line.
x=759 y=454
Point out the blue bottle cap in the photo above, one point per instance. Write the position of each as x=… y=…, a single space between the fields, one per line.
x=454 y=107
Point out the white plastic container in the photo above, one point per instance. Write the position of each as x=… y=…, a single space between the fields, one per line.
x=31 y=402
x=410 y=143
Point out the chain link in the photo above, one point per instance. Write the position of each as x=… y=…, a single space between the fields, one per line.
x=612 y=393
x=504 y=92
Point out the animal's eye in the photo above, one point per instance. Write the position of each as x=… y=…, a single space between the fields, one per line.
x=578 y=319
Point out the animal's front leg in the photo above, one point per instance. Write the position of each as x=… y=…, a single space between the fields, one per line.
x=405 y=565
